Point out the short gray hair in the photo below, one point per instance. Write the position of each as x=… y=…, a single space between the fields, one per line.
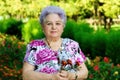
x=53 y=9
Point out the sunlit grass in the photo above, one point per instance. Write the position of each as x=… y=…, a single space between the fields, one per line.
x=115 y=27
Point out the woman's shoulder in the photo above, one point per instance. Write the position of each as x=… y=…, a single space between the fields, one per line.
x=68 y=40
x=37 y=42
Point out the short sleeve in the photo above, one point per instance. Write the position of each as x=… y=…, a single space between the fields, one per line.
x=29 y=56
x=74 y=51
x=79 y=55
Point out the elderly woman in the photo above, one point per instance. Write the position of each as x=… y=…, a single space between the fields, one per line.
x=53 y=57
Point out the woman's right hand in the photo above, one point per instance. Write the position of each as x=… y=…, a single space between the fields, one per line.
x=62 y=75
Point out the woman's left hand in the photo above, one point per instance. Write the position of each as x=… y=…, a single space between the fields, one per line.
x=63 y=75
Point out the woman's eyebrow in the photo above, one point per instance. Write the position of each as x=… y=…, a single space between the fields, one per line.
x=59 y=20
x=51 y=21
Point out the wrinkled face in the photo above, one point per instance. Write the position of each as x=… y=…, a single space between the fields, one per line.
x=53 y=26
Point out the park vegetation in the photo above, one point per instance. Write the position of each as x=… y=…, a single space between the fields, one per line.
x=95 y=24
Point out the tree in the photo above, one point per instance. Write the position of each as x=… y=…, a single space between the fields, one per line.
x=22 y=8
x=75 y=9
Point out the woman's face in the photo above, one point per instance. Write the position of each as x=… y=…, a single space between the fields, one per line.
x=53 y=26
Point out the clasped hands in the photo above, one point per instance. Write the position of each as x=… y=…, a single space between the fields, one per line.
x=62 y=75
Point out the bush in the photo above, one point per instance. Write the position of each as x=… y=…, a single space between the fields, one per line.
x=12 y=52
x=69 y=29
x=102 y=68
x=86 y=43
x=11 y=26
x=83 y=34
x=80 y=29
x=95 y=43
x=99 y=44
x=32 y=30
x=113 y=46
x=84 y=26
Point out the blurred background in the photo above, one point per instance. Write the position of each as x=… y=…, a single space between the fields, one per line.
x=95 y=24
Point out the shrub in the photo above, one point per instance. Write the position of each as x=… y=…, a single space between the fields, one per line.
x=84 y=26
x=11 y=26
x=32 y=30
x=68 y=30
x=83 y=34
x=86 y=43
x=113 y=46
x=12 y=52
x=80 y=29
x=102 y=68
x=99 y=44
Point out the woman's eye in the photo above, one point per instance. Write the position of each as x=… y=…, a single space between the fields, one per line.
x=58 y=23
x=48 y=23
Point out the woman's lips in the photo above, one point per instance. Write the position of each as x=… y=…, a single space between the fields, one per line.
x=53 y=31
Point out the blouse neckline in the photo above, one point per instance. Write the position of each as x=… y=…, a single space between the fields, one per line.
x=59 y=49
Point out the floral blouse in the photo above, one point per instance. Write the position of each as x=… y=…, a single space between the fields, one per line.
x=47 y=60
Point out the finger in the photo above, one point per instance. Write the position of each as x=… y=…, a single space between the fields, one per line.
x=62 y=71
x=65 y=73
x=62 y=78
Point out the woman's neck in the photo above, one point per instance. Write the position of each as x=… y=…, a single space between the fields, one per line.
x=53 y=39
x=54 y=44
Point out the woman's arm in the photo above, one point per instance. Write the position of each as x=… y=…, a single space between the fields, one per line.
x=81 y=74
x=30 y=74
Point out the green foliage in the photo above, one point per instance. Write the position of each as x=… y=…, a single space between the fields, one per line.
x=111 y=8
x=113 y=46
x=69 y=29
x=101 y=68
x=11 y=46
x=12 y=52
x=75 y=30
x=86 y=43
x=84 y=26
x=11 y=26
x=22 y=8
x=32 y=30
x=95 y=43
x=115 y=27
x=79 y=8
x=99 y=44
x=82 y=34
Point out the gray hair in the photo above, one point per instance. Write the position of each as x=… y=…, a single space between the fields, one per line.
x=53 y=9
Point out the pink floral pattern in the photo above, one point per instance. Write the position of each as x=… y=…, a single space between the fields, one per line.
x=37 y=43
x=46 y=60
x=45 y=55
x=48 y=70
x=71 y=47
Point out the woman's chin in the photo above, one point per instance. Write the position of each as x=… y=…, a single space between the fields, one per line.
x=55 y=36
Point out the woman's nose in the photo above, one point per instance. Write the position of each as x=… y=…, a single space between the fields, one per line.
x=53 y=26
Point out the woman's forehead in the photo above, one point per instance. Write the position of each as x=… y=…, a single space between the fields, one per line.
x=53 y=17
